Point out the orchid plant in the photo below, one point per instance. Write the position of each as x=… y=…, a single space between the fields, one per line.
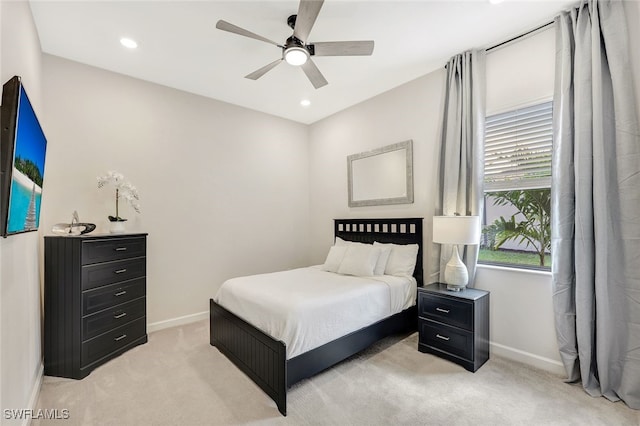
x=124 y=190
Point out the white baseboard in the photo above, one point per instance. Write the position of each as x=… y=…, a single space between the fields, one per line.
x=543 y=363
x=537 y=361
x=161 y=325
x=35 y=393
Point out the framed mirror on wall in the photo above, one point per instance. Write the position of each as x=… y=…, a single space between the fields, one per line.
x=382 y=176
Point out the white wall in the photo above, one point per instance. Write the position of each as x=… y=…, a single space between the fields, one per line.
x=522 y=324
x=521 y=73
x=243 y=169
x=20 y=309
x=223 y=190
x=521 y=307
x=522 y=327
x=411 y=111
x=518 y=74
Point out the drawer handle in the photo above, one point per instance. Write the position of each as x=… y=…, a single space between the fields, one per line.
x=120 y=271
x=444 y=311
x=446 y=339
x=121 y=293
x=124 y=314
x=119 y=338
x=120 y=249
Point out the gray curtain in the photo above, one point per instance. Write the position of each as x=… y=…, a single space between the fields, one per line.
x=596 y=203
x=462 y=150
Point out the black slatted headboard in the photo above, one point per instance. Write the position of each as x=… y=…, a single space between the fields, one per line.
x=397 y=231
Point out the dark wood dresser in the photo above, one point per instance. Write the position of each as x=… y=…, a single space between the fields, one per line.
x=454 y=325
x=94 y=300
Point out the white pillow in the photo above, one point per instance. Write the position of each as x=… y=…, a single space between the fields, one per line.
x=334 y=258
x=381 y=264
x=402 y=260
x=341 y=242
x=359 y=260
x=382 y=259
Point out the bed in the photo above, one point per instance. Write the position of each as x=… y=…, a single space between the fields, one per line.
x=272 y=365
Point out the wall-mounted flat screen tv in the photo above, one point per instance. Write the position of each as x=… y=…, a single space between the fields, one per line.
x=22 y=153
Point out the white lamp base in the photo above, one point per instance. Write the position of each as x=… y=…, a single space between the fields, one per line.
x=455 y=273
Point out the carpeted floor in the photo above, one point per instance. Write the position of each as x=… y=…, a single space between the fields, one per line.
x=177 y=378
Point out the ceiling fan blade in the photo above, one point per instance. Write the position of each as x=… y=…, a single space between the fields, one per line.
x=313 y=74
x=308 y=11
x=262 y=71
x=226 y=26
x=343 y=48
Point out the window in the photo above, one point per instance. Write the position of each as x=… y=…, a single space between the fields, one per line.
x=517 y=227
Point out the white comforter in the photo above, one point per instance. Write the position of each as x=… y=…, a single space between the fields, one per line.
x=308 y=307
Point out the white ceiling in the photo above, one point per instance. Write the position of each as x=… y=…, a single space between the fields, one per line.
x=180 y=47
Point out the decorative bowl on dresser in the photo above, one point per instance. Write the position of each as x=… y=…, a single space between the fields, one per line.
x=94 y=300
x=454 y=325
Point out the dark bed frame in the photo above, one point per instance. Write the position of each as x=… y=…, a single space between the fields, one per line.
x=264 y=359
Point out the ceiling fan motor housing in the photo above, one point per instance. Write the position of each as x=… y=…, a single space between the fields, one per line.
x=291 y=21
x=293 y=41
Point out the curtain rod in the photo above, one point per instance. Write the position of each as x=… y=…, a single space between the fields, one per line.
x=512 y=39
x=520 y=36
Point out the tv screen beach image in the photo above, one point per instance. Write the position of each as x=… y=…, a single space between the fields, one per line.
x=28 y=170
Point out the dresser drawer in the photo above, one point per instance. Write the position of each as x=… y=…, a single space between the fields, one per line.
x=113 y=272
x=106 y=297
x=448 y=339
x=101 y=322
x=101 y=346
x=452 y=312
x=105 y=250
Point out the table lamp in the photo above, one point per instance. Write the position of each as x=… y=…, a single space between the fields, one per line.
x=456 y=230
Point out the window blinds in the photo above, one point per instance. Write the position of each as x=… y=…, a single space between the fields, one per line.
x=518 y=148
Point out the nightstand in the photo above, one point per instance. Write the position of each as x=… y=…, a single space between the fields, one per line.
x=454 y=325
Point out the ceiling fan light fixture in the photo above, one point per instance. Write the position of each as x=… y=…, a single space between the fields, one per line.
x=295 y=50
x=296 y=55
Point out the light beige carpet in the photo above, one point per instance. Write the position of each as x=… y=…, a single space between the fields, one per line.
x=177 y=378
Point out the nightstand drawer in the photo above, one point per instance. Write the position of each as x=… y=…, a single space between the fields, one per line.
x=452 y=312
x=97 y=251
x=101 y=322
x=113 y=272
x=103 y=345
x=448 y=339
x=112 y=295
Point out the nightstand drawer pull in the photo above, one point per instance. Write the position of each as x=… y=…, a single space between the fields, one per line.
x=120 y=249
x=120 y=271
x=442 y=337
x=120 y=293
x=123 y=314
x=445 y=311
x=119 y=338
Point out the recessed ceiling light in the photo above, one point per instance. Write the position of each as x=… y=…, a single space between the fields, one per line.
x=495 y=1
x=128 y=43
x=305 y=102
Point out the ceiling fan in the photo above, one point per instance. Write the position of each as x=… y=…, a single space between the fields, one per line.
x=297 y=50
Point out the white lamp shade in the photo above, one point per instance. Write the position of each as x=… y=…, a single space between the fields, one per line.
x=456 y=229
